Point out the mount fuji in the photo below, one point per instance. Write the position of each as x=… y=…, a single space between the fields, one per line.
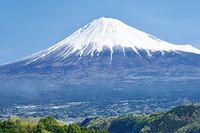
x=102 y=58
x=104 y=42
x=107 y=33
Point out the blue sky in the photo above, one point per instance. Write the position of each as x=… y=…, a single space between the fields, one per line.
x=28 y=26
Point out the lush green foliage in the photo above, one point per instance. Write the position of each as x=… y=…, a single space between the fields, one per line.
x=180 y=119
x=191 y=128
x=129 y=123
x=183 y=111
x=132 y=123
x=45 y=125
x=97 y=123
x=166 y=124
x=174 y=119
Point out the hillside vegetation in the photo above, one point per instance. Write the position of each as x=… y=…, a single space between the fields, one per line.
x=41 y=125
x=180 y=119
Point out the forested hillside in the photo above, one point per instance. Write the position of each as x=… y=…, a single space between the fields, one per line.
x=180 y=119
x=42 y=125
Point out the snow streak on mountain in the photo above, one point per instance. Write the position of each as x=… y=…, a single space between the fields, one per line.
x=108 y=33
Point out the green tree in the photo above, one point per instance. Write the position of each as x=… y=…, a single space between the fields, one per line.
x=40 y=127
x=1 y=123
x=1 y=131
x=74 y=128
x=51 y=120
x=8 y=126
x=18 y=127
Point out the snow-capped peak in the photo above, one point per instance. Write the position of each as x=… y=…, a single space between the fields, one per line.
x=109 y=33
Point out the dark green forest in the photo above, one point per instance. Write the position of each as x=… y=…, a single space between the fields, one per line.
x=182 y=119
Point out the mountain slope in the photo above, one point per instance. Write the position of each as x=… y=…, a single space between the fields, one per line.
x=106 y=34
x=107 y=65
x=180 y=119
